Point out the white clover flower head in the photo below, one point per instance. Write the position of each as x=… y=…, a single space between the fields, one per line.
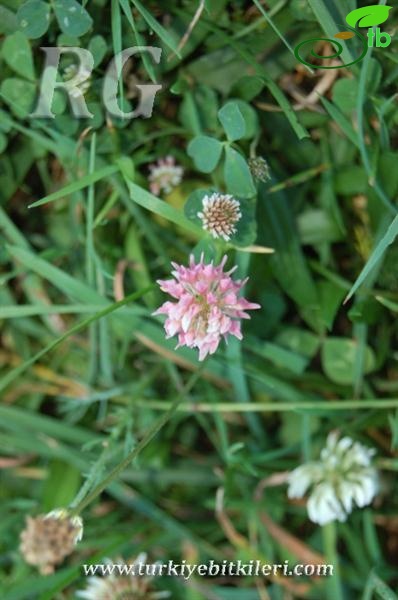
x=83 y=82
x=342 y=479
x=122 y=582
x=219 y=214
x=164 y=175
x=74 y=520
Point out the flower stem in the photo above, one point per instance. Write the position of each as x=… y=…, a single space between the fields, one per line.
x=150 y=434
x=333 y=584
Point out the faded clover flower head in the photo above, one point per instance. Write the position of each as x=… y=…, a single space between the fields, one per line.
x=219 y=214
x=123 y=582
x=48 y=539
x=259 y=168
x=164 y=175
x=208 y=307
x=342 y=478
x=83 y=81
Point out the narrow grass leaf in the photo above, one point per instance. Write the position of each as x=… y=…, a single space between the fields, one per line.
x=76 y=186
x=157 y=28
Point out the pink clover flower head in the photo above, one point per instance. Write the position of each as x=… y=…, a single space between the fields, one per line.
x=164 y=175
x=208 y=307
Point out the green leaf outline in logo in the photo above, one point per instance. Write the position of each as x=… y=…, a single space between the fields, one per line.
x=368 y=16
x=335 y=44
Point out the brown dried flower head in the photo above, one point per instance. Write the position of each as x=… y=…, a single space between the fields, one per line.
x=48 y=539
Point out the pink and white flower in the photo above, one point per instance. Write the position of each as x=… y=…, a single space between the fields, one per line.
x=219 y=215
x=208 y=307
x=164 y=175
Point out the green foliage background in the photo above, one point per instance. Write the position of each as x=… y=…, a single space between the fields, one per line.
x=77 y=396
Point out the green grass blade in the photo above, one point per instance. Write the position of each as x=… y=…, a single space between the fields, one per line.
x=276 y=29
x=140 y=41
x=116 y=26
x=331 y=20
x=71 y=286
x=20 y=311
x=341 y=121
x=161 y=208
x=375 y=257
x=17 y=371
x=376 y=588
x=157 y=28
x=76 y=186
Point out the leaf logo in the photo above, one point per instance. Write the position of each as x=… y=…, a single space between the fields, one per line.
x=368 y=16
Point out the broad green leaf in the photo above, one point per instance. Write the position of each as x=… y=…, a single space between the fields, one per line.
x=237 y=175
x=299 y=340
x=198 y=110
x=34 y=18
x=246 y=227
x=248 y=87
x=8 y=21
x=331 y=297
x=345 y=94
x=194 y=204
x=72 y=18
x=19 y=95
x=3 y=142
x=368 y=16
x=277 y=229
x=61 y=485
x=17 y=54
x=280 y=357
x=98 y=48
x=5 y=124
x=350 y=180
x=232 y=121
x=205 y=152
x=338 y=357
x=316 y=226
x=250 y=117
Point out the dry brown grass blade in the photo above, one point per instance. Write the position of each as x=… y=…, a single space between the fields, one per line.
x=12 y=462
x=291 y=542
x=239 y=541
x=191 y=27
x=277 y=532
x=178 y=360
